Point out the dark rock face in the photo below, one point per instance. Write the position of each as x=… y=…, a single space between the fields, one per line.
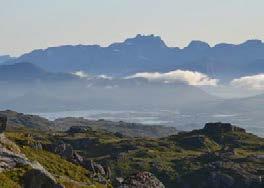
x=216 y=128
x=3 y=122
x=64 y=150
x=218 y=180
x=142 y=180
x=39 y=179
x=196 y=141
x=95 y=167
x=78 y=129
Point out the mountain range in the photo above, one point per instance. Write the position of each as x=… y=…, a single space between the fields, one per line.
x=151 y=54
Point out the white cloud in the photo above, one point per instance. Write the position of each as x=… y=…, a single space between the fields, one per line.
x=81 y=74
x=105 y=77
x=189 y=77
x=255 y=82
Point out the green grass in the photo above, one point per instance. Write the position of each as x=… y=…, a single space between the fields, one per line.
x=7 y=182
x=17 y=173
x=57 y=165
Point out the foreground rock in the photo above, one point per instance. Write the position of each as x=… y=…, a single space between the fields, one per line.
x=37 y=178
x=11 y=158
x=142 y=180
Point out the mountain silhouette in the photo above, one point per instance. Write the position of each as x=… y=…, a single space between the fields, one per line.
x=150 y=53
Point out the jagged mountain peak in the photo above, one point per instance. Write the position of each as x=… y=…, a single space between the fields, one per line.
x=142 y=41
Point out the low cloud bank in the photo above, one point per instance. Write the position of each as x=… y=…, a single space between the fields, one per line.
x=81 y=74
x=255 y=82
x=189 y=77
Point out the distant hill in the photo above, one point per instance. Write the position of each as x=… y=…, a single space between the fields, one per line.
x=23 y=72
x=150 y=53
x=19 y=120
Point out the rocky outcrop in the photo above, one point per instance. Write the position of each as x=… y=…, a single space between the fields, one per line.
x=10 y=159
x=96 y=168
x=218 y=128
x=141 y=180
x=65 y=151
x=3 y=122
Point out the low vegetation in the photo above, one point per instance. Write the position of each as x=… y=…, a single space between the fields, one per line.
x=185 y=159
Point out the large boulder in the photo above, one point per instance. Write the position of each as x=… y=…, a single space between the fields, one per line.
x=142 y=180
x=3 y=122
x=37 y=178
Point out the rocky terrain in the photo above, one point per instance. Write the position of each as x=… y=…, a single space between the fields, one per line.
x=18 y=120
x=220 y=155
x=128 y=129
x=18 y=169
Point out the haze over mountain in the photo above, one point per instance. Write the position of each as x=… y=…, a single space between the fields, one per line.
x=151 y=54
x=141 y=74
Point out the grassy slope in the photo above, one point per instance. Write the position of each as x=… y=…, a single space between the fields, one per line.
x=67 y=173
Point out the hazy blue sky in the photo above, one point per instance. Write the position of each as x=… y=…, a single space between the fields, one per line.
x=30 y=24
